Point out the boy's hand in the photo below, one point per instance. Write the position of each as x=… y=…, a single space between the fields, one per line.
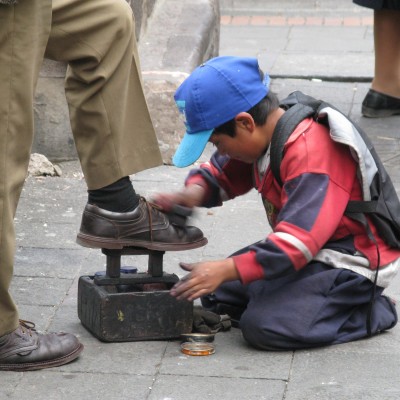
x=203 y=278
x=190 y=196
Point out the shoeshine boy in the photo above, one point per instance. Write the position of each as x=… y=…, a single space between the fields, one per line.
x=309 y=282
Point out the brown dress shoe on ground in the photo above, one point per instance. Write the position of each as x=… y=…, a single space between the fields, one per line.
x=26 y=350
x=145 y=227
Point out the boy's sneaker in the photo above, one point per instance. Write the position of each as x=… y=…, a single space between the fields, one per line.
x=26 y=350
x=146 y=226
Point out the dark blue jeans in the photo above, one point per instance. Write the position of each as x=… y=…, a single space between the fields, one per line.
x=316 y=306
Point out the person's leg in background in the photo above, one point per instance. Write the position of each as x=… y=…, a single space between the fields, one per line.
x=383 y=99
x=24 y=30
x=387 y=52
x=111 y=124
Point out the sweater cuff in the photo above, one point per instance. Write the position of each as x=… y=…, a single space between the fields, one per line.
x=248 y=267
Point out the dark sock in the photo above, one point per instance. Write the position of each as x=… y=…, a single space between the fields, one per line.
x=120 y=196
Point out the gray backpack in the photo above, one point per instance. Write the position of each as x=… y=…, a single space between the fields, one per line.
x=380 y=200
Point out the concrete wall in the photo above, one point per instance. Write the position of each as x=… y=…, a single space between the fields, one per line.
x=194 y=38
x=174 y=37
x=142 y=10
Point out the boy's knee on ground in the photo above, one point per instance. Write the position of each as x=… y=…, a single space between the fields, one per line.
x=264 y=339
x=255 y=333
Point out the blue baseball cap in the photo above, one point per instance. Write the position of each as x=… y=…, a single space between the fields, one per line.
x=213 y=94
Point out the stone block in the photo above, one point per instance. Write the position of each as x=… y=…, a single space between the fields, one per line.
x=53 y=135
x=194 y=38
x=142 y=9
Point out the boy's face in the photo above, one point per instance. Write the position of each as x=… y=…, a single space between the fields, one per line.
x=245 y=146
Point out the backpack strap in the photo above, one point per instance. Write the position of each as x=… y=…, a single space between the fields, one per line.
x=357 y=215
x=284 y=128
x=361 y=206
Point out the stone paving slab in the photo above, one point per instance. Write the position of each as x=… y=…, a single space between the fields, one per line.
x=301 y=38
x=326 y=374
x=288 y=8
x=183 y=388
x=58 y=385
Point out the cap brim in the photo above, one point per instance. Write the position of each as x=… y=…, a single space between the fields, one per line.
x=190 y=148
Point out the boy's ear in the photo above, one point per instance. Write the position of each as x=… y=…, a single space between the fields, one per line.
x=245 y=120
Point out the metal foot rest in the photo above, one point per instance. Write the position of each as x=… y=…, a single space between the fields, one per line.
x=119 y=307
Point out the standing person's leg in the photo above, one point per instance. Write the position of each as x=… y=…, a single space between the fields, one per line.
x=110 y=120
x=383 y=99
x=111 y=124
x=24 y=30
x=387 y=52
x=20 y=60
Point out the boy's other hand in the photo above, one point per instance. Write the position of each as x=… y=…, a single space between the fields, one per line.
x=203 y=278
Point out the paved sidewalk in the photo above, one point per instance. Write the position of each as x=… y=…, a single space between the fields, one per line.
x=333 y=61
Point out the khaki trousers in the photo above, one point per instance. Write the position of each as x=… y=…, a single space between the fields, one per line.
x=109 y=117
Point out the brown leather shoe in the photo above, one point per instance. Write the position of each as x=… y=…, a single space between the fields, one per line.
x=26 y=350
x=146 y=227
